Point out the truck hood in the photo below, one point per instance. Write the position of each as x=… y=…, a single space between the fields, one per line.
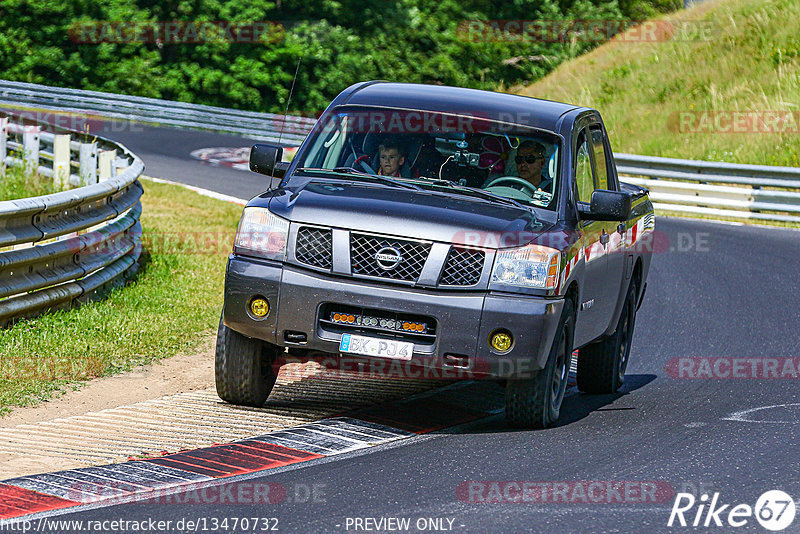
x=375 y=208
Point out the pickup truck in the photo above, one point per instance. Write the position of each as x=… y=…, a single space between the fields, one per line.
x=444 y=228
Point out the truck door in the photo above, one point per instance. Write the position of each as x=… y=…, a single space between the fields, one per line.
x=590 y=314
x=605 y=178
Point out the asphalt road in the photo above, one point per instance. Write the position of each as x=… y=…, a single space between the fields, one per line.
x=166 y=154
x=721 y=291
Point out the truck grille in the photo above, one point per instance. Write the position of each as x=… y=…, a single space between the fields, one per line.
x=364 y=250
x=463 y=267
x=372 y=256
x=314 y=247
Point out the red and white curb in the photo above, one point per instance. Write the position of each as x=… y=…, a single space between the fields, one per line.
x=234 y=157
x=141 y=479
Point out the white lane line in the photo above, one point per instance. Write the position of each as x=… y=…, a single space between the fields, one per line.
x=199 y=190
x=743 y=416
x=749 y=223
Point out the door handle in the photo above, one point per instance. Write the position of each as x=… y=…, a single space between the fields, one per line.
x=604 y=238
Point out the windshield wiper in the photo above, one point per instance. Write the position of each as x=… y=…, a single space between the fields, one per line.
x=378 y=177
x=356 y=172
x=480 y=193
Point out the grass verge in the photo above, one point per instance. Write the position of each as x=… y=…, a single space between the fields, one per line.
x=171 y=307
x=16 y=183
x=748 y=60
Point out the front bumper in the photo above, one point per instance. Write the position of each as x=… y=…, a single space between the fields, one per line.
x=465 y=320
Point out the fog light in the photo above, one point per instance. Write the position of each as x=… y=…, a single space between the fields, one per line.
x=259 y=307
x=501 y=341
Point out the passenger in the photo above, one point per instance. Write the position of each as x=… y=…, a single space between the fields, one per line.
x=390 y=159
x=530 y=165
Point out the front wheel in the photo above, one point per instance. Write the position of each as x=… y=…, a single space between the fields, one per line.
x=536 y=402
x=243 y=368
x=602 y=364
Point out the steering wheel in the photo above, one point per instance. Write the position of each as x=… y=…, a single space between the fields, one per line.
x=364 y=164
x=514 y=180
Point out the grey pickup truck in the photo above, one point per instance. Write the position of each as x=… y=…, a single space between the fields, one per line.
x=466 y=233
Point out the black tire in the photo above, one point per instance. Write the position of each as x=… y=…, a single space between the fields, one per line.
x=602 y=364
x=243 y=368
x=536 y=402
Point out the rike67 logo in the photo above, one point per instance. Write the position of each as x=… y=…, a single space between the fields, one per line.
x=774 y=510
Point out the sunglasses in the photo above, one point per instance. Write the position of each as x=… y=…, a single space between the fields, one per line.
x=528 y=159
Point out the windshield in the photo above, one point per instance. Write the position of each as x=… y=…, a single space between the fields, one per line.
x=437 y=151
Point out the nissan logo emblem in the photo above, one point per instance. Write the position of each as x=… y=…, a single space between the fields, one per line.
x=388 y=258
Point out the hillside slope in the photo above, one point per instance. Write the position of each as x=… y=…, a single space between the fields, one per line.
x=678 y=97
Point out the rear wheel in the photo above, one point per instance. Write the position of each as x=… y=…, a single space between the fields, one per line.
x=602 y=364
x=536 y=402
x=243 y=368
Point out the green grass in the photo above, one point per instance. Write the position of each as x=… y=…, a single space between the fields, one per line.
x=16 y=183
x=750 y=62
x=171 y=307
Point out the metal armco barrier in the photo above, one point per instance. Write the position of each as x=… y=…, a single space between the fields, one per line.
x=63 y=248
x=678 y=185
x=716 y=189
x=266 y=126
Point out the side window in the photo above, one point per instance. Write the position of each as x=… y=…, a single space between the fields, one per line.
x=601 y=167
x=583 y=170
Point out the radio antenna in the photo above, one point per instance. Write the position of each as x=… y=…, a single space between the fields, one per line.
x=289 y=100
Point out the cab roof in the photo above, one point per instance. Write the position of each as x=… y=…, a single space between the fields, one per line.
x=534 y=112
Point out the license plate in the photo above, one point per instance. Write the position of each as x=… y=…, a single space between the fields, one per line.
x=380 y=348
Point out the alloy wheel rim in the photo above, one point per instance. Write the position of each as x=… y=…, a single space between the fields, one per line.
x=624 y=343
x=559 y=373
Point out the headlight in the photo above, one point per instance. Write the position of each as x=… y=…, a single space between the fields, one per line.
x=262 y=234
x=532 y=266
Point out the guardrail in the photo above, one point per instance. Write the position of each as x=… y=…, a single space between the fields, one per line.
x=756 y=192
x=64 y=248
x=263 y=126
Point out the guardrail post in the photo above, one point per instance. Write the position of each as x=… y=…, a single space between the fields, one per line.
x=87 y=156
x=30 y=146
x=122 y=163
x=61 y=159
x=3 y=140
x=106 y=164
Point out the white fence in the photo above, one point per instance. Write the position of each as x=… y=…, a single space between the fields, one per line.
x=63 y=248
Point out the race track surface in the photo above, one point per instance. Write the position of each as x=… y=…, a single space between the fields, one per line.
x=721 y=291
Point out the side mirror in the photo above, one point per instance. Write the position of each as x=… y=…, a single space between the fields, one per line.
x=265 y=158
x=606 y=206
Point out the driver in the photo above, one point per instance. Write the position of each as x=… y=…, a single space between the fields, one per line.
x=530 y=165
